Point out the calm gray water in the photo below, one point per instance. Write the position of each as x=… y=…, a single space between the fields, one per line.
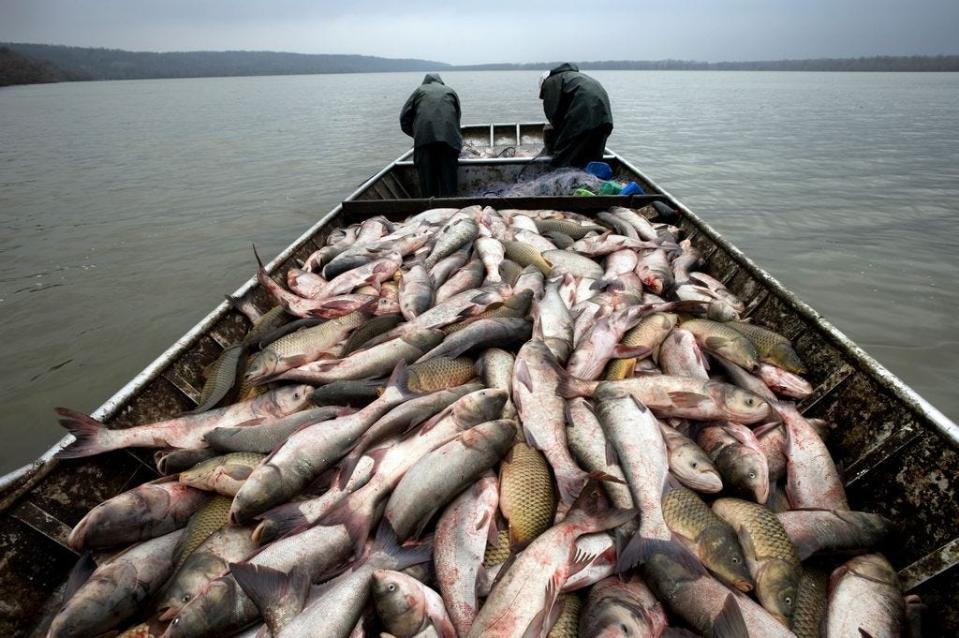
x=127 y=209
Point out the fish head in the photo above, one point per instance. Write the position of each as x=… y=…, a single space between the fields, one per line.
x=195 y=574
x=616 y=619
x=696 y=469
x=783 y=382
x=263 y=365
x=520 y=302
x=200 y=475
x=872 y=567
x=782 y=355
x=209 y=613
x=399 y=603
x=293 y=398
x=479 y=407
x=746 y=471
x=720 y=310
x=721 y=553
x=740 y=406
x=776 y=585
x=424 y=340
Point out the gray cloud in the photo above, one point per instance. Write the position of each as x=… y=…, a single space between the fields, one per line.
x=498 y=30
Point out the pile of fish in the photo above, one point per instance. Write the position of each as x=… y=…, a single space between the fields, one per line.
x=487 y=422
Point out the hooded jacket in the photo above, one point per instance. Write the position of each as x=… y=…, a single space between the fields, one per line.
x=432 y=114
x=574 y=103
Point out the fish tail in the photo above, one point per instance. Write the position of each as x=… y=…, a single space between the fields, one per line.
x=571 y=387
x=640 y=549
x=278 y=522
x=387 y=542
x=571 y=483
x=730 y=622
x=356 y=518
x=90 y=436
x=592 y=507
x=276 y=594
x=399 y=382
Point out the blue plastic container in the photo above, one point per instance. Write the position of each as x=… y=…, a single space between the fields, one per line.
x=600 y=170
x=632 y=188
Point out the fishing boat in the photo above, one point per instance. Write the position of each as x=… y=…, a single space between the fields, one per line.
x=897 y=452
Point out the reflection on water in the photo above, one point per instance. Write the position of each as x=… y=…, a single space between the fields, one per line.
x=127 y=209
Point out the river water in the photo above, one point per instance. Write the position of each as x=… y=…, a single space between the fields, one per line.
x=127 y=209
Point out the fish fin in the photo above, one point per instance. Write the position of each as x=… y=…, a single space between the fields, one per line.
x=278 y=522
x=581 y=560
x=503 y=568
x=357 y=521
x=348 y=466
x=640 y=405
x=399 y=380
x=275 y=593
x=543 y=621
x=687 y=399
x=259 y=262
x=486 y=298
x=79 y=575
x=701 y=358
x=639 y=550
x=492 y=533
x=864 y=633
x=741 y=437
x=730 y=622
x=631 y=352
x=238 y=472
x=607 y=478
x=90 y=436
x=765 y=428
x=612 y=457
x=522 y=375
x=530 y=439
x=386 y=542
x=716 y=343
x=431 y=422
x=592 y=507
x=599 y=284
x=485 y=522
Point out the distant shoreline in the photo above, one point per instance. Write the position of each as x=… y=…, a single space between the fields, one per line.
x=66 y=64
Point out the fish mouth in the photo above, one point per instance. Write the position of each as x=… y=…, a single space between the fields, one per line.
x=708 y=481
x=168 y=613
x=743 y=585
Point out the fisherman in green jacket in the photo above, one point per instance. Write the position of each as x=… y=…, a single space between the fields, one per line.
x=432 y=118
x=577 y=107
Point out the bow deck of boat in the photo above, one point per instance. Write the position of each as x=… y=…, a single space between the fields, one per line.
x=898 y=453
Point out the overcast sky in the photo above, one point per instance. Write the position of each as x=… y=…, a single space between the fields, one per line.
x=499 y=30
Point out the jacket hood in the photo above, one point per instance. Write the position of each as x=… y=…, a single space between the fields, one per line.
x=433 y=78
x=563 y=68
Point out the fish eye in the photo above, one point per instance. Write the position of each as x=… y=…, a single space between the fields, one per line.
x=695 y=464
x=749 y=401
x=391 y=587
x=752 y=475
x=175 y=621
x=735 y=560
x=186 y=598
x=788 y=600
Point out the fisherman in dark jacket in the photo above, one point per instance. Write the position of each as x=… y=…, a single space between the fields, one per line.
x=577 y=107
x=432 y=118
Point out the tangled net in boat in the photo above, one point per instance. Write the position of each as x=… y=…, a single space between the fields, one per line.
x=559 y=183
